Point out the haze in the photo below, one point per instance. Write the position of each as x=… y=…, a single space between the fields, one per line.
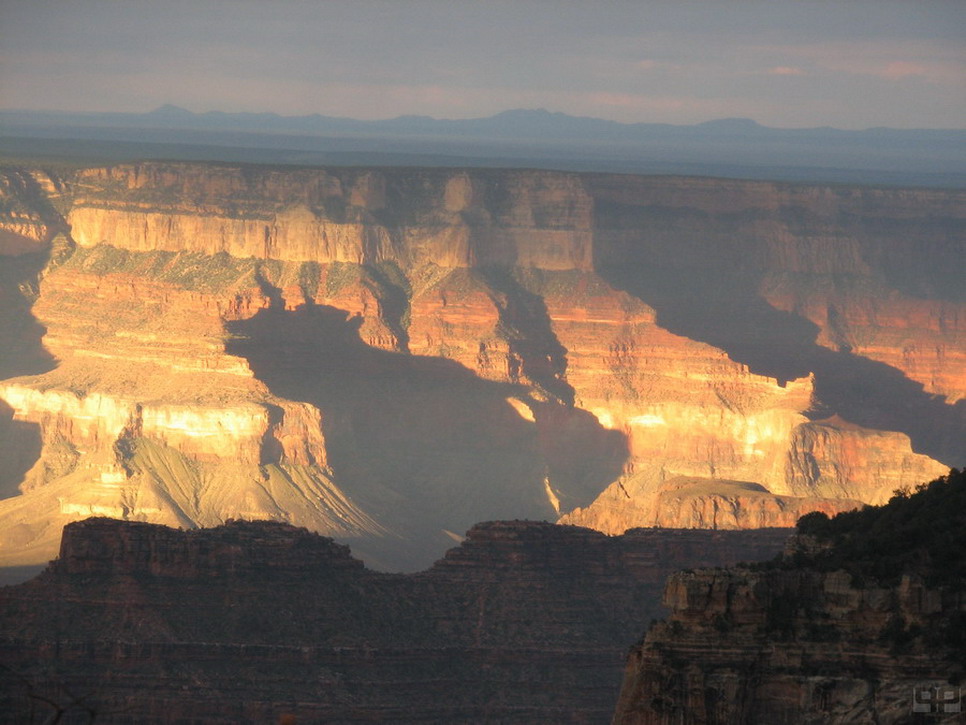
x=858 y=64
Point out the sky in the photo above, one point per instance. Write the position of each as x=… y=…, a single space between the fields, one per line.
x=785 y=63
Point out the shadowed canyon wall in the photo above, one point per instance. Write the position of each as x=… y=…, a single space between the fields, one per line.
x=524 y=622
x=859 y=621
x=787 y=646
x=387 y=356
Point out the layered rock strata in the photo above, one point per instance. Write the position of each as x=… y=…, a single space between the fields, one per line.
x=779 y=646
x=683 y=502
x=391 y=355
x=861 y=625
x=247 y=622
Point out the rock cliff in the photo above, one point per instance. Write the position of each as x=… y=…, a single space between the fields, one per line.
x=684 y=502
x=389 y=355
x=452 y=219
x=249 y=621
x=863 y=624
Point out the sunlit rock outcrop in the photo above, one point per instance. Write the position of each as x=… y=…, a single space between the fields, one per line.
x=398 y=353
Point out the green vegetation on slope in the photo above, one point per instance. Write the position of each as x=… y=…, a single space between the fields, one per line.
x=920 y=535
x=922 y=532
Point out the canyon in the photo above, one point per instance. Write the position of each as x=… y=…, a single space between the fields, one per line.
x=859 y=621
x=523 y=622
x=388 y=356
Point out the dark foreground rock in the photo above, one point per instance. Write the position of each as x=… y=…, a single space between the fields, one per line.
x=862 y=620
x=249 y=622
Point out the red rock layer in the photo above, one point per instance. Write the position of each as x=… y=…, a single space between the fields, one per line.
x=444 y=217
x=687 y=503
x=474 y=344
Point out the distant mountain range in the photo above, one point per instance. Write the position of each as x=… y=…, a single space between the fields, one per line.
x=517 y=123
x=725 y=147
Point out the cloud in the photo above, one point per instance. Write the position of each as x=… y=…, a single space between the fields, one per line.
x=899 y=69
x=786 y=70
x=896 y=60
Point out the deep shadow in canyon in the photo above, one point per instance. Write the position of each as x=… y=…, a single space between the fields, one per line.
x=422 y=443
x=710 y=293
x=21 y=353
x=20 y=444
x=528 y=328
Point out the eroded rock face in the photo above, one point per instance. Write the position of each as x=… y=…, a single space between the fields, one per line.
x=784 y=646
x=522 y=622
x=685 y=503
x=859 y=620
x=391 y=355
x=453 y=219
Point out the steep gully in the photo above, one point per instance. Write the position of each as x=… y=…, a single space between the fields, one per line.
x=532 y=340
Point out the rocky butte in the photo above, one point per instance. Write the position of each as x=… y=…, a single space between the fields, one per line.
x=387 y=356
x=861 y=621
x=524 y=622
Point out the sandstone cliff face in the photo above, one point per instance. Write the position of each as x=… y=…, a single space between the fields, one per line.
x=687 y=502
x=362 y=217
x=846 y=268
x=400 y=353
x=860 y=620
x=784 y=646
x=905 y=331
x=27 y=210
x=523 y=622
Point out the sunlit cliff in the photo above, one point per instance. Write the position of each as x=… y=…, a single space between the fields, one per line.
x=388 y=356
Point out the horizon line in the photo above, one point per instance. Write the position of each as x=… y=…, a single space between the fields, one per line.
x=743 y=119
